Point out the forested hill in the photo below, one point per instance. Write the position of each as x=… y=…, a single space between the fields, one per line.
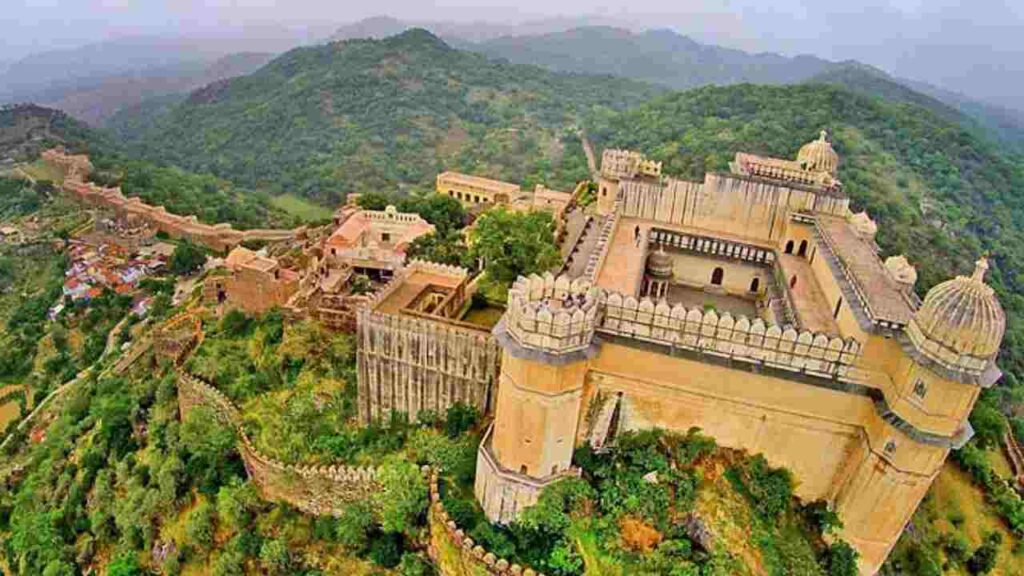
x=366 y=115
x=999 y=124
x=27 y=129
x=942 y=195
x=667 y=58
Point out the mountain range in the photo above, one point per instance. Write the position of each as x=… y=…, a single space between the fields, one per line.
x=373 y=115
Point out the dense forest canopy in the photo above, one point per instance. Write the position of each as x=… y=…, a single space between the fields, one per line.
x=942 y=194
x=370 y=115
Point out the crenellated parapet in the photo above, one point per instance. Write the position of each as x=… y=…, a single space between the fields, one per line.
x=429 y=267
x=556 y=316
x=469 y=556
x=324 y=489
x=736 y=338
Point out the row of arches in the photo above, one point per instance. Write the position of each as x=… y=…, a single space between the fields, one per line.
x=801 y=250
x=718 y=276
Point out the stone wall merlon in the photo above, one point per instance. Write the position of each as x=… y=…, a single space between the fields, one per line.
x=471 y=552
x=739 y=338
x=537 y=318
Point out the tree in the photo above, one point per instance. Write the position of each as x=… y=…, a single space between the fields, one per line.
x=187 y=258
x=460 y=418
x=274 y=557
x=236 y=503
x=984 y=558
x=513 y=244
x=125 y=565
x=403 y=495
x=354 y=526
x=841 y=560
x=988 y=422
x=199 y=528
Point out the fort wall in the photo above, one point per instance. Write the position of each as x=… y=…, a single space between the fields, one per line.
x=410 y=364
x=219 y=237
x=455 y=553
x=747 y=207
x=313 y=489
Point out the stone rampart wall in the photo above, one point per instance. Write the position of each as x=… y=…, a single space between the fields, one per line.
x=554 y=330
x=409 y=364
x=313 y=489
x=220 y=237
x=455 y=553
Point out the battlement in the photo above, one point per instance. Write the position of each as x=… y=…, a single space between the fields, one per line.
x=553 y=315
x=628 y=164
x=738 y=338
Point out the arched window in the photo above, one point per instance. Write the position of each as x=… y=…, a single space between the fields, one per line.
x=554 y=469
x=789 y=247
x=716 y=276
x=803 y=248
x=792 y=281
x=755 y=284
x=522 y=470
x=604 y=191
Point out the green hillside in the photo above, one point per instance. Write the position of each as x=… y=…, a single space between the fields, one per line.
x=366 y=115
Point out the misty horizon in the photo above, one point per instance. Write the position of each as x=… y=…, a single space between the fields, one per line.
x=973 y=50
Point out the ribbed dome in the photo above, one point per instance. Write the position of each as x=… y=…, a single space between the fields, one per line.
x=659 y=264
x=963 y=316
x=819 y=156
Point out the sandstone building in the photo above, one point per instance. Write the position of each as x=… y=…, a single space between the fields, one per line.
x=753 y=305
x=251 y=282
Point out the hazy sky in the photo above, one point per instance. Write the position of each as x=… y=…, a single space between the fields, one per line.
x=975 y=46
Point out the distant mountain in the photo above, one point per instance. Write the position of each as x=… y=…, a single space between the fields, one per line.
x=1000 y=123
x=373 y=115
x=667 y=58
x=93 y=81
x=660 y=56
x=461 y=34
x=95 y=100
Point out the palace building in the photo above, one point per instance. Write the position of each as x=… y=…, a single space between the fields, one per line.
x=753 y=305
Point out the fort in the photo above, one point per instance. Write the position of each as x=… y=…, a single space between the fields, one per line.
x=753 y=304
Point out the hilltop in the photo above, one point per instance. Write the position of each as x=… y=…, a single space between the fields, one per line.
x=365 y=115
x=667 y=58
x=27 y=129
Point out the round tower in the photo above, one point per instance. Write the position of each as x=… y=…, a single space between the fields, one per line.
x=945 y=356
x=547 y=334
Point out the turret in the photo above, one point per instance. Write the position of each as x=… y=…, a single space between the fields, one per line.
x=547 y=335
x=958 y=329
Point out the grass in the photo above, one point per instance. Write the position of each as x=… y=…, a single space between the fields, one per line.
x=486 y=316
x=953 y=490
x=43 y=170
x=301 y=208
x=9 y=411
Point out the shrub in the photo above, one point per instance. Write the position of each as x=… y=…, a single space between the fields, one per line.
x=460 y=418
x=984 y=558
x=768 y=489
x=841 y=560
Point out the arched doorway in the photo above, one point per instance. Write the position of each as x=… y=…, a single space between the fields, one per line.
x=717 y=276
x=789 y=247
x=792 y=282
x=803 y=248
x=755 y=284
